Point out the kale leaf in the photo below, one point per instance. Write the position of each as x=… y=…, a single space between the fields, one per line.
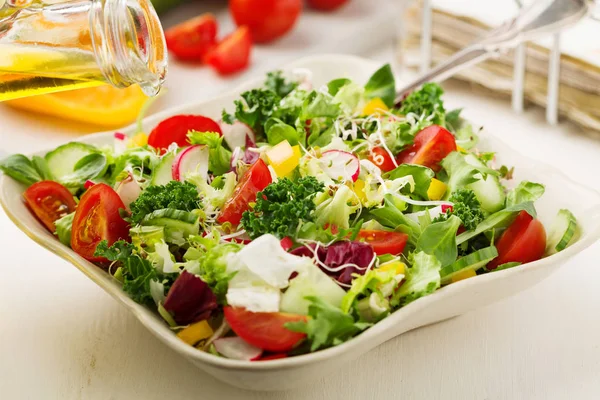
x=177 y=195
x=278 y=84
x=426 y=101
x=466 y=207
x=136 y=271
x=281 y=206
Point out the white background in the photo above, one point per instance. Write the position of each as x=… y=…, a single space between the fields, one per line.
x=61 y=337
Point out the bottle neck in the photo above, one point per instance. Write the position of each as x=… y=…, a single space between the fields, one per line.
x=128 y=43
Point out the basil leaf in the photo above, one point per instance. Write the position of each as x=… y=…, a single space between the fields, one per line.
x=439 y=240
x=383 y=85
x=21 y=169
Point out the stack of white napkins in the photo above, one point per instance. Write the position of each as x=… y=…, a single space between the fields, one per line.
x=456 y=23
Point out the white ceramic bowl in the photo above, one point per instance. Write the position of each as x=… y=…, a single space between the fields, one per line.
x=447 y=302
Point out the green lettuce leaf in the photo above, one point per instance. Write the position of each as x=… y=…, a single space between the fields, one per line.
x=389 y=215
x=526 y=191
x=423 y=279
x=328 y=325
x=219 y=157
x=364 y=285
x=278 y=131
x=421 y=175
x=463 y=171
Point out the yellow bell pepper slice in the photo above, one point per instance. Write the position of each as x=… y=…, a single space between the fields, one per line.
x=468 y=273
x=398 y=266
x=139 y=140
x=196 y=334
x=359 y=188
x=437 y=189
x=375 y=106
x=284 y=158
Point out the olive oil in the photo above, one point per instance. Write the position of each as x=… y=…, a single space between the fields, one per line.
x=66 y=68
x=48 y=48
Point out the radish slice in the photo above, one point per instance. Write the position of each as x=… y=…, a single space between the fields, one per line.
x=237 y=349
x=191 y=159
x=235 y=134
x=129 y=190
x=120 y=136
x=340 y=165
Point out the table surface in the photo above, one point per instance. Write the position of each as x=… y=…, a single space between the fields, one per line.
x=62 y=337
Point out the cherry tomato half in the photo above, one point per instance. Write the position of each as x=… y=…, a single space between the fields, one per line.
x=96 y=219
x=326 y=5
x=49 y=201
x=176 y=128
x=380 y=157
x=264 y=330
x=192 y=40
x=254 y=180
x=431 y=146
x=523 y=241
x=232 y=54
x=384 y=242
x=266 y=19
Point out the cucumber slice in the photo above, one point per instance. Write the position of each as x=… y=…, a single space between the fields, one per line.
x=472 y=261
x=563 y=232
x=62 y=160
x=163 y=173
x=489 y=191
x=178 y=225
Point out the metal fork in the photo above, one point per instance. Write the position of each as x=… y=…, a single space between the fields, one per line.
x=541 y=18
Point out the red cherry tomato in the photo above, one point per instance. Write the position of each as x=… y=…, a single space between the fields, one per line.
x=384 y=242
x=326 y=5
x=266 y=19
x=232 y=54
x=96 y=219
x=264 y=330
x=431 y=146
x=254 y=180
x=49 y=201
x=523 y=241
x=193 y=39
x=380 y=157
x=176 y=128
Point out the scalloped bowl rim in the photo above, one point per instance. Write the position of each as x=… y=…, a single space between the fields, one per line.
x=145 y=316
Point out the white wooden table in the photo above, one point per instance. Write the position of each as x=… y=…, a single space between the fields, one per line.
x=61 y=337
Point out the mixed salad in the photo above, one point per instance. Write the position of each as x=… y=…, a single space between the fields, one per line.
x=300 y=219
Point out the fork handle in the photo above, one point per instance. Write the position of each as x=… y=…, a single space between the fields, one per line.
x=466 y=57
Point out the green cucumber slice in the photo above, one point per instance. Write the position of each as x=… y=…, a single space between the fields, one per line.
x=489 y=191
x=563 y=232
x=163 y=173
x=473 y=261
x=178 y=225
x=62 y=160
